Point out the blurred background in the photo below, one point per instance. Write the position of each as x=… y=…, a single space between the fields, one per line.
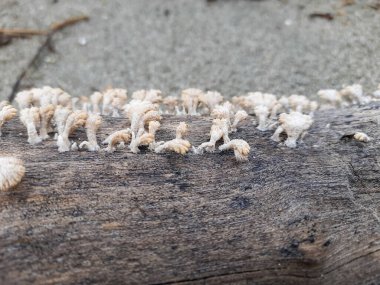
x=234 y=46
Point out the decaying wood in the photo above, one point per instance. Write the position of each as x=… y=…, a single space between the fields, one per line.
x=298 y=216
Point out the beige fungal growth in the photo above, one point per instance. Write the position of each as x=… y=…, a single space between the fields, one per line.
x=141 y=139
x=85 y=103
x=210 y=99
x=261 y=104
x=179 y=144
x=136 y=110
x=240 y=147
x=190 y=100
x=262 y=114
x=239 y=116
x=24 y=99
x=141 y=113
x=46 y=115
x=96 y=98
x=113 y=100
x=152 y=129
x=74 y=121
x=117 y=138
x=60 y=116
x=171 y=104
x=54 y=96
x=7 y=112
x=224 y=111
x=294 y=125
x=181 y=131
x=43 y=96
x=361 y=137
x=354 y=94
x=30 y=117
x=12 y=171
x=330 y=97
x=219 y=130
x=153 y=95
x=148 y=117
x=298 y=103
x=93 y=123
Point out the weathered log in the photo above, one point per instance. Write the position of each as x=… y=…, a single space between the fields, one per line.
x=308 y=215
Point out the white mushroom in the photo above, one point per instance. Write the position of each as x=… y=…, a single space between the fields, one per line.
x=239 y=116
x=331 y=97
x=362 y=137
x=12 y=171
x=96 y=98
x=190 y=100
x=46 y=115
x=210 y=99
x=179 y=144
x=117 y=138
x=7 y=112
x=152 y=95
x=240 y=147
x=74 y=121
x=30 y=117
x=93 y=123
x=354 y=94
x=219 y=130
x=295 y=125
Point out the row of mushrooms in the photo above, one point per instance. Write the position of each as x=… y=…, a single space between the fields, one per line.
x=49 y=110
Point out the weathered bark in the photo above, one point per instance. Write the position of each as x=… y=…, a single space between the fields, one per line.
x=300 y=216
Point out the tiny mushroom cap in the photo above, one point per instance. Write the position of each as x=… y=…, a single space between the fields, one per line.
x=240 y=147
x=330 y=96
x=210 y=99
x=12 y=171
x=30 y=117
x=171 y=102
x=60 y=117
x=141 y=139
x=149 y=117
x=190 y=100
x=96 y=98
x=153 y=127
x=224 y=111
x=113 y=99
x=75 y=120
x=92 y=126
x=362 y=137
x=262 y=113
x=152 y=95
x=118 y=137
x=182 y=130
x=46 y=115
x=239 y=116
x=24 y=99
x=85 y=101
x=219 y=130
x=354 y=93
x=295 y=125
x=298 y=102
x=7 y=112
x=178 y=145
x=136 y=110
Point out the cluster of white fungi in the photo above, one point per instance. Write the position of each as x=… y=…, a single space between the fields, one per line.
x=45 y=111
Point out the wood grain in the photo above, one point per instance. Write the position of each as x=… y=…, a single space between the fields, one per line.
x=289 y=216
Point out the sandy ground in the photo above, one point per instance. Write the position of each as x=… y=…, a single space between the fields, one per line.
x=231 y=46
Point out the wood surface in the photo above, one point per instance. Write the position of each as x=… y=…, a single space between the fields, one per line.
x=308 y=215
